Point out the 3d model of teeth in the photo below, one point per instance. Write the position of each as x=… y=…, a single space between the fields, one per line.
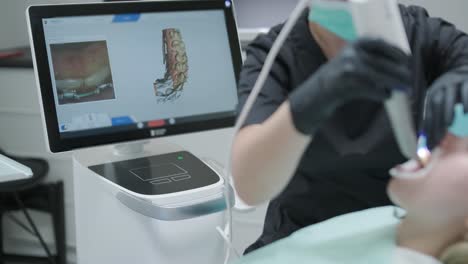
x=81 y=69
x=171 y=86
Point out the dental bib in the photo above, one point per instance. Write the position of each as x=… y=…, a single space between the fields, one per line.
x=363 y=237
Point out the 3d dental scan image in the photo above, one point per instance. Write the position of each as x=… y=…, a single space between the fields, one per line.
x=82 y=72
x=171 y=86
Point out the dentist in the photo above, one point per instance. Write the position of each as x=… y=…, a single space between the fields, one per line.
x=318 y=141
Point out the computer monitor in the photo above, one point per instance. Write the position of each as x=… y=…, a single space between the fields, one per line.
x=124 y=71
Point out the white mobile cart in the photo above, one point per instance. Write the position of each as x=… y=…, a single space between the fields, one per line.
x=161 y=205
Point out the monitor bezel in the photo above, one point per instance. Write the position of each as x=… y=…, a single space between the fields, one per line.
x=55 y=143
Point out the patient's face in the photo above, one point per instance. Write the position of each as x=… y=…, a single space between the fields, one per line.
x=442 y=191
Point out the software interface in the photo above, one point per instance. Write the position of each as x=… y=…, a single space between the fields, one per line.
x=139 y=70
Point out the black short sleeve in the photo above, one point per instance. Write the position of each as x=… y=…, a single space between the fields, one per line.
x=442 y=46
x=275 y=91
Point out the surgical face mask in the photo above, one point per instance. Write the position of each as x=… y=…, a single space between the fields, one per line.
x=335 y=16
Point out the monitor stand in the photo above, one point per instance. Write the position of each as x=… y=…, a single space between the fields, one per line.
x=129 y=149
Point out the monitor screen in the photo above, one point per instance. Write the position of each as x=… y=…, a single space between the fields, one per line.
x=137 y=74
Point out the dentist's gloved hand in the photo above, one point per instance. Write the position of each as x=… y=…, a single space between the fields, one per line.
x=441 y=98
x=365 y=69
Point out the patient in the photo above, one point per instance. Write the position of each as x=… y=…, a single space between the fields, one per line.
x=434 y=229
x=436 y=204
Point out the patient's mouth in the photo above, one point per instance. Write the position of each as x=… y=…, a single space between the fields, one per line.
x=417 y=169
x=411 y=170
x=89 y=82
x=81 y=69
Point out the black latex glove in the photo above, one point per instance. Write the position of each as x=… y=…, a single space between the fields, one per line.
x=365 y=69
x=441 y=99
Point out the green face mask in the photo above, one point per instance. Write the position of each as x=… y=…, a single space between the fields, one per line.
x=335 y=16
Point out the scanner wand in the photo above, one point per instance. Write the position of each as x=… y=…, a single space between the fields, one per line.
x=399 y=112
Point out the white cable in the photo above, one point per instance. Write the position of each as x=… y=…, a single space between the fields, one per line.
x=269 y=61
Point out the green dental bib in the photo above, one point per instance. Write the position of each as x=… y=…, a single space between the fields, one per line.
x=363 y=237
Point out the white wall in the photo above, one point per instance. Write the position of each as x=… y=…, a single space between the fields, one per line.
x=13 y=20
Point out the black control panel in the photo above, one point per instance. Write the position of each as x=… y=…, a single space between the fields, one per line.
x=160 y=174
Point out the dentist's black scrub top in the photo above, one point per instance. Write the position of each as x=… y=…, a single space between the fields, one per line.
x=345 y=168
